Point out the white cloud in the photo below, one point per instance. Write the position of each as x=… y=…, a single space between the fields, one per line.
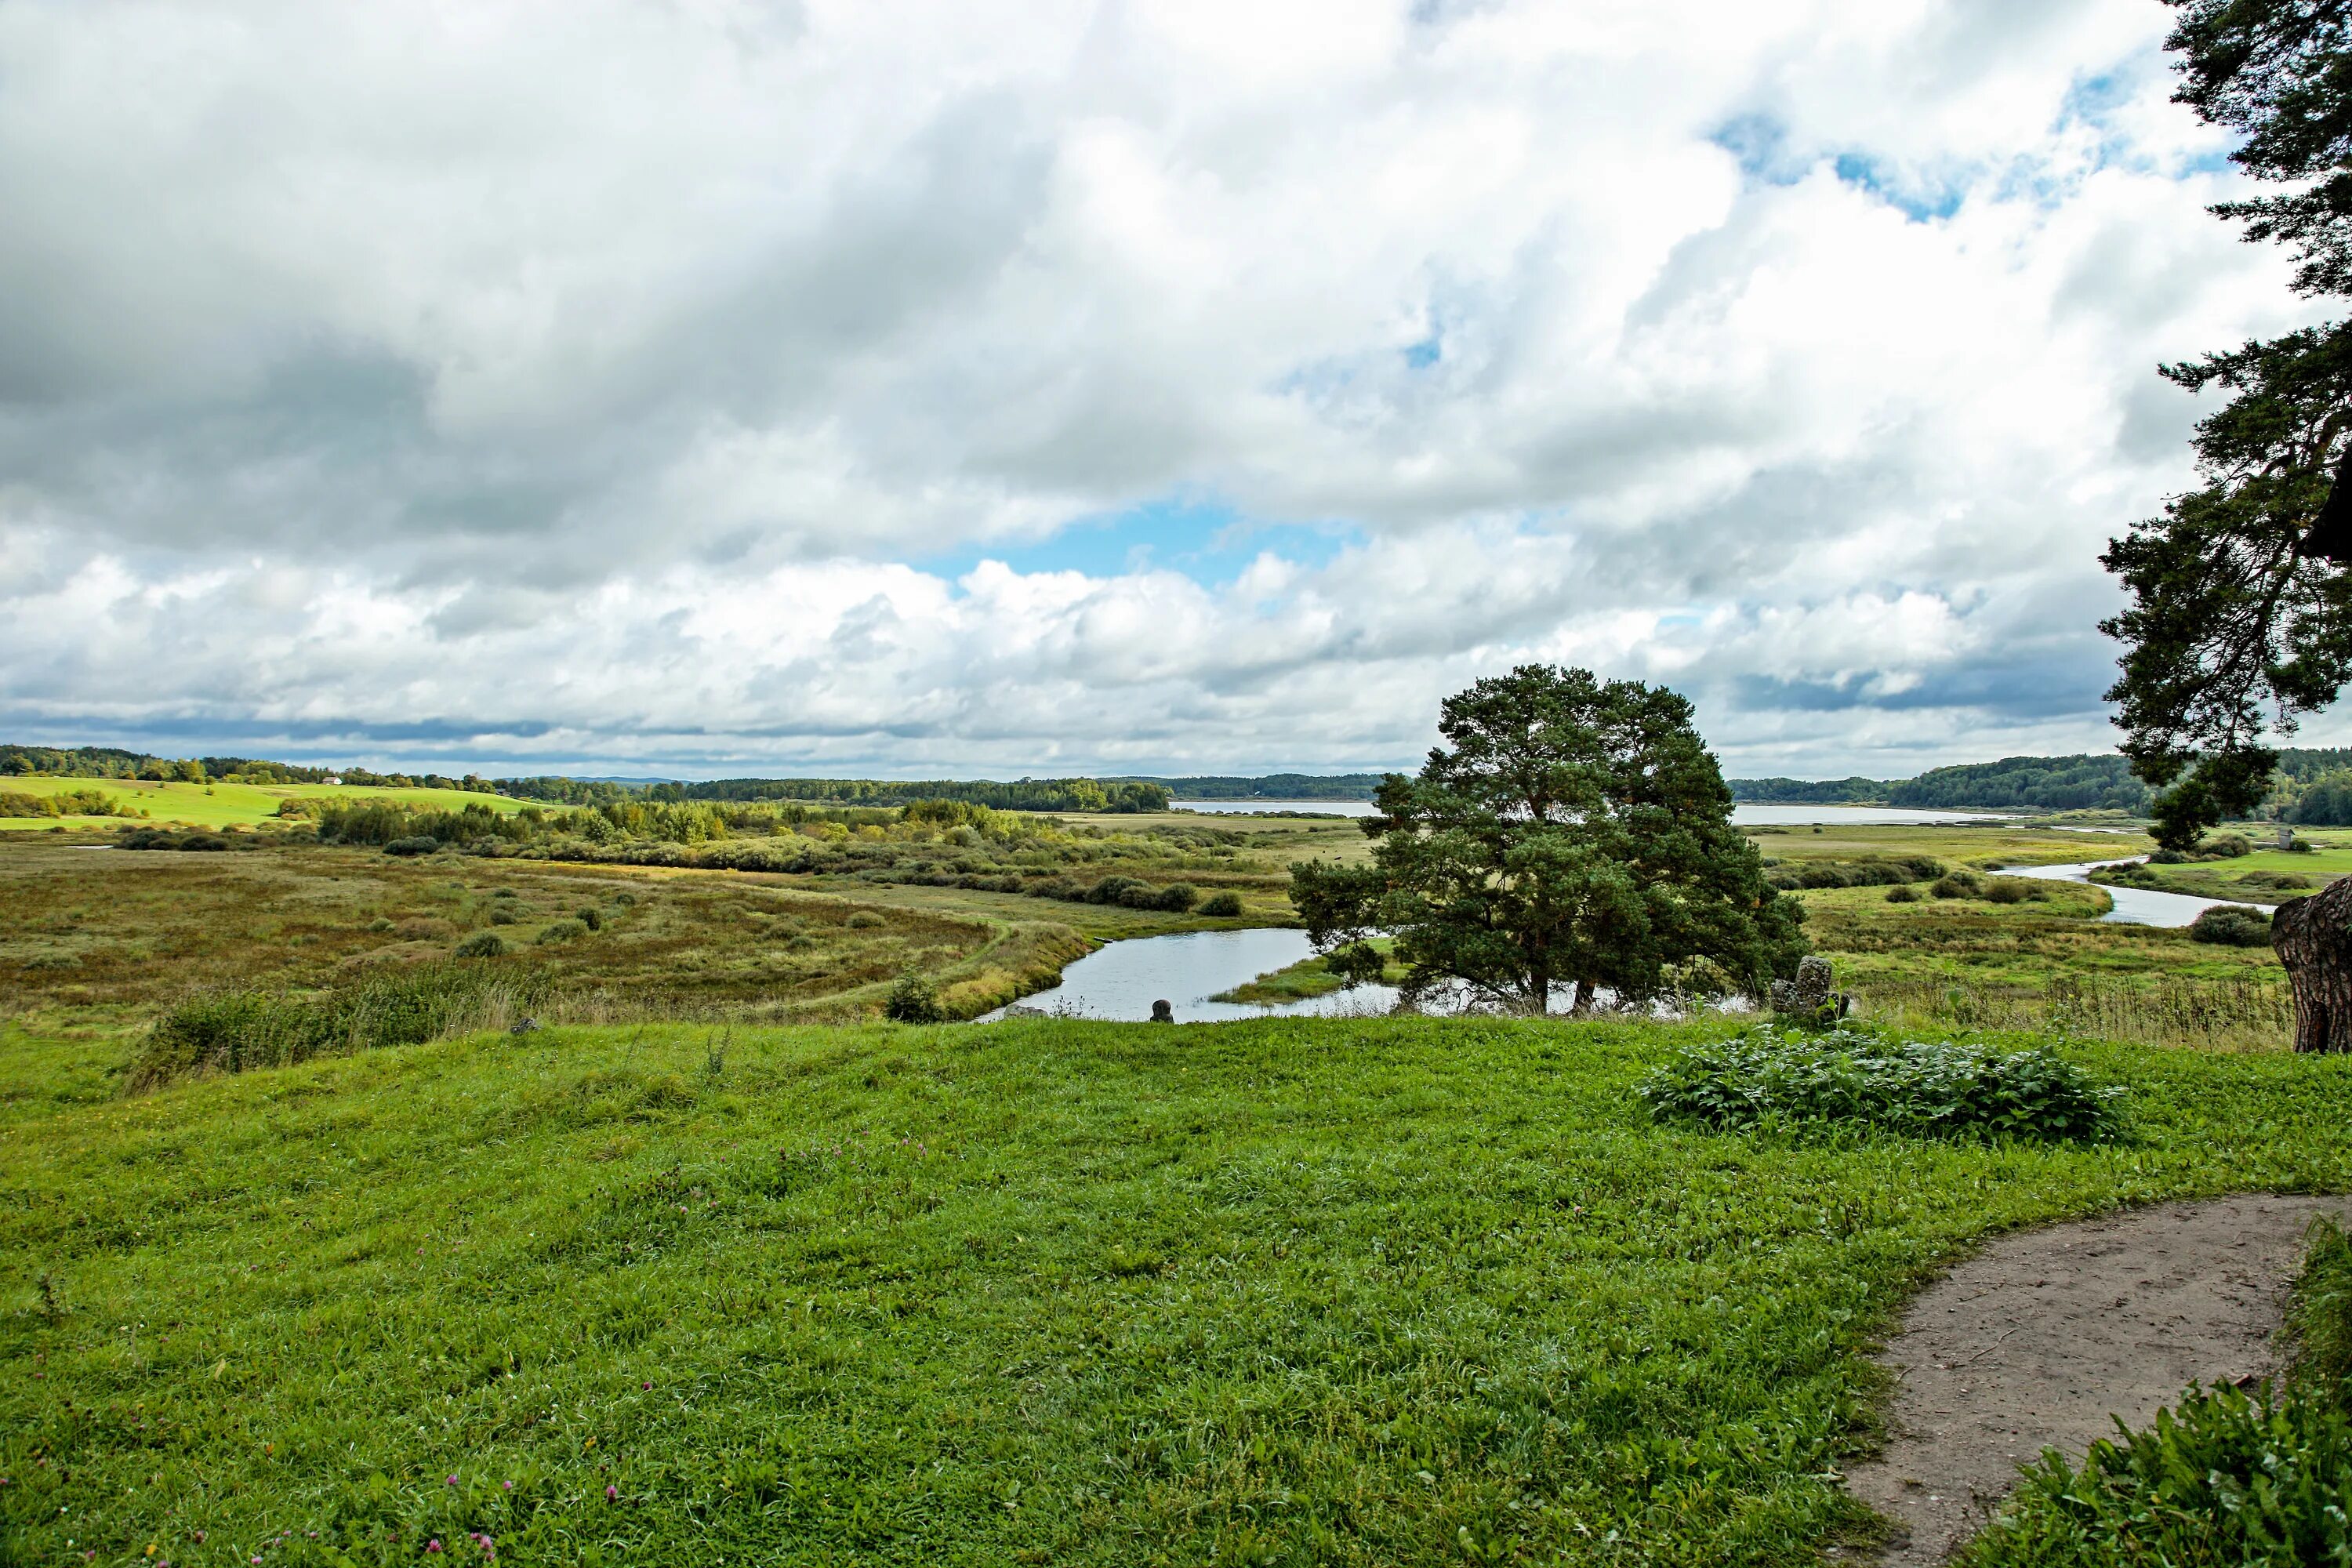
x=624 y=383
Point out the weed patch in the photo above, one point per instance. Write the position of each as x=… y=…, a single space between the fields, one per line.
x=1851 y=1078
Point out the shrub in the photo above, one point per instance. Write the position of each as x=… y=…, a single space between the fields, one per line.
x=865 y=920
x=380 y=924
x=2226 y=845
x=1222 y=905
x=1177 y=896
x=1850 y=1076
x=2231 y=926
x=914 y=1000
x=1957 y=885
x=1869 y=871
x=590 y=916
x=561 y=930
x=2015 y=890
x=625 y=898
x=415 y=844
x=502 y=916
x=2280 y=881
x=1900 y=894
x=482 y=944
x=504 y=893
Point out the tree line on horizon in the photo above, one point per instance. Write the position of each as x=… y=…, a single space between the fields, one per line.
x=2311 y=785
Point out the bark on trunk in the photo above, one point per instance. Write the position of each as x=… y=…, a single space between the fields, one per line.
x=1584 y=989
x=2313 y=937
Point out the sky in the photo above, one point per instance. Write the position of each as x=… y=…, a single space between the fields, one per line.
x=709 y=387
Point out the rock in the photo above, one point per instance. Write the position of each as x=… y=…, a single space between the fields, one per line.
x=1809 y=995
x=522 y=1026
x=1018 y=1011
x=1163 y=1013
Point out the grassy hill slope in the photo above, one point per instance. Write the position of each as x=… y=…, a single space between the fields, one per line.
x=1394 y=1291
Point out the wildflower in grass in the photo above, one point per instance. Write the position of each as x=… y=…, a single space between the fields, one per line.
x=432 y=1546
x=645 y=1385
x=505 y=1485
x=452 y=1481
x=612 y=1494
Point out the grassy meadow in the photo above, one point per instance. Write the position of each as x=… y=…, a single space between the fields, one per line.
x=218 y=804
x=680 y=1275
x=1282 y=1292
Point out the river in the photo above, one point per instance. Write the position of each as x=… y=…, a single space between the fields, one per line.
x=2134 y=906
x=1123 y=979
x=1120 y=980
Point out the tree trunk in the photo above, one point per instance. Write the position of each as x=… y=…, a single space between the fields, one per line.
x=1583 y=999
x=2313 y=937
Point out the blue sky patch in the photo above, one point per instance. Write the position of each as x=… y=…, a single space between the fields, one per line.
x=1207 y=540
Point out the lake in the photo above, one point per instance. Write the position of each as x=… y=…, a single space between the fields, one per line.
x=1746 y=814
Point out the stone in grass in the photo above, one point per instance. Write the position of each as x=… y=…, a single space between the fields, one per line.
x=1163 y=1012
x=1807 y=998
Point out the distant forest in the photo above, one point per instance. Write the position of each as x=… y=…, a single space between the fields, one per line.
x=2313 y=785
x=1272 y=786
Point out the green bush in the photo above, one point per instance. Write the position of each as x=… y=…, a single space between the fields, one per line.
x=561 y=930
x=914 y=1000
x=381 y=923
x=1850 y=1077
x=1959 y=885
x=865 y=920
x=415 y=844
x=2232 y=925
x=502 y=916
x=1868 y=871
x=1176 y=898
x=482 y=944
x=1222 y=905
x=1900 y=894
x=2015 y=890
x=590 y=916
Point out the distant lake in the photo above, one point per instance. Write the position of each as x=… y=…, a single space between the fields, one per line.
x=1745 y=813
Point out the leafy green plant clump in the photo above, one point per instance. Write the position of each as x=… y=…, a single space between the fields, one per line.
x=2232 y=925
x=1852 y=1077
x=2226 y=1478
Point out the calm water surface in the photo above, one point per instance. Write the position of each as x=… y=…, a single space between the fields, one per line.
x=1744 y=814
x=2134 y=906
x=1122 y=979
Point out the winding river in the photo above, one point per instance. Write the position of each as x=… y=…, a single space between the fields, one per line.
x=2134 y=906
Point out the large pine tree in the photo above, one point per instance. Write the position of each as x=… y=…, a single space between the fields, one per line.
x=2240 y=615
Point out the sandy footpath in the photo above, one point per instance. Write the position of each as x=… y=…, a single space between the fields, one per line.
x=2044 y=1337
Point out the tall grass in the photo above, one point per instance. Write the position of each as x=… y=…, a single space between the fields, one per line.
x=2237 y=1014
x=236 y=1030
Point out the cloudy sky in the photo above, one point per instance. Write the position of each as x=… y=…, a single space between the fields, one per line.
x=712 y=386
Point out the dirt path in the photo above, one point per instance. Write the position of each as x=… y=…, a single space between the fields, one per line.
x=2042 y=1338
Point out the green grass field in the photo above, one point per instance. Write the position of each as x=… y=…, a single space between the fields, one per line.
x=222 y=805
x=1299 y=1291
